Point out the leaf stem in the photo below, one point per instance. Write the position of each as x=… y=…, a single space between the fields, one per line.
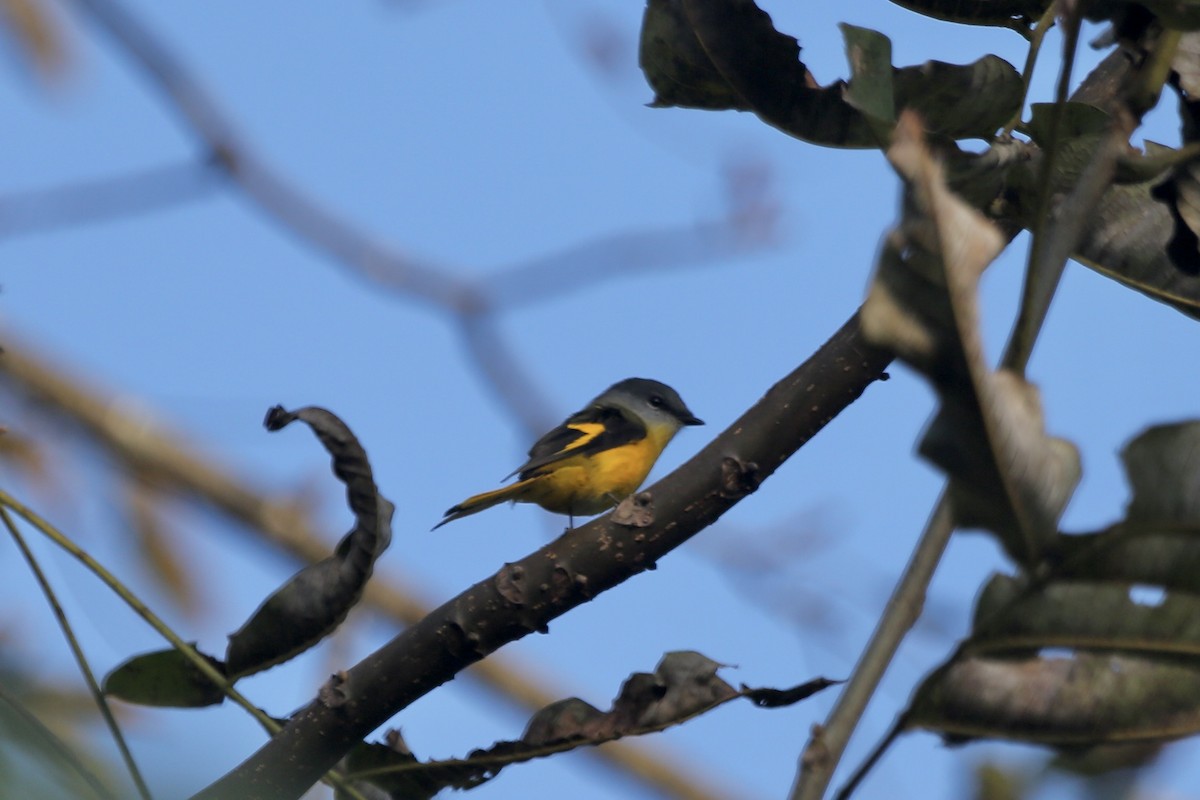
x=85 y=669
x=1043 y=272
x=142 y=610
x=1035 y=46
x=139 y=608
x=61 y=748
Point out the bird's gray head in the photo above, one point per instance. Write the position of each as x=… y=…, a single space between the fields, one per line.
x=650 y=400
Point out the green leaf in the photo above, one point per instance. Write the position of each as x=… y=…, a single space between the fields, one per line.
x=1128 y=239
x=1163 y=467
x=1076 y=614
x=1180 y=15
x=1123 y=605
x=961 y=101
x=164 y=678
x=729 y=55
x=1144 y=230
x=1089 y=699
x=870 y=88
x=1157 y=160
x=316 y=600
x=1079 y=120
x=1081 y=130
x=1135 y=553
x=680 y=71
x=978 y=12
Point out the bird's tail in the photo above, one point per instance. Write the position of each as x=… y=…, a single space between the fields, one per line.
x=477 y=503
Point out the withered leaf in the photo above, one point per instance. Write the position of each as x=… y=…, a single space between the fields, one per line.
x=316 y=600
x=988 y=435
x=683 y=685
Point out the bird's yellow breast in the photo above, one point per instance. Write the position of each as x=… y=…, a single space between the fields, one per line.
x=589 y=484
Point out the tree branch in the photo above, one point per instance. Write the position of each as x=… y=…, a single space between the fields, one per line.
x=469 y=303
x=126 y=434
x=525 y=596
x=140 y=192
x=828 y=742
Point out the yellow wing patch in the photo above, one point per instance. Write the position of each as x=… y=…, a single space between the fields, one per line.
x=590 y=430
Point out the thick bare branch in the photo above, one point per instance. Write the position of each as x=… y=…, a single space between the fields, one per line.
x=525 y=596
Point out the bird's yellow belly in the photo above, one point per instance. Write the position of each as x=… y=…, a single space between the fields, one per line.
x=590 y=484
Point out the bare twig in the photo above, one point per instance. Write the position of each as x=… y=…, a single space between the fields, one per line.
x=80 y=658
x=1038 y=34
x=56 y=745
x=828 y=742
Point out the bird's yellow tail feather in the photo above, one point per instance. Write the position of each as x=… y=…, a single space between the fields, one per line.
x=477 y=503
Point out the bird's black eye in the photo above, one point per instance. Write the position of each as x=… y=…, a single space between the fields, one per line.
x=656 y=401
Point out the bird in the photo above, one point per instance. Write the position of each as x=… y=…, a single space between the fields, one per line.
x=597 y=457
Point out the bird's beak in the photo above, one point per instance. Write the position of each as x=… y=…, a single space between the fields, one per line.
x=690 y=420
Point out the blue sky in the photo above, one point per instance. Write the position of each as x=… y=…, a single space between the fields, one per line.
x=478 y=137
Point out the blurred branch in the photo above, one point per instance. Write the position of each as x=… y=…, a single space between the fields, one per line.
x=505 y=373
x=628 y=253
x=38 y=31
x=781 y=569
x=749 y=221
x=574 y=569
x=147 y=448
x=103 y=199
x=299 y=214
x=52 y=743
x=470 y=304
x=85 y=668
x=776 y=568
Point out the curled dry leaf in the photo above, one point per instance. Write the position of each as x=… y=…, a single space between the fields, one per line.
x=308 y=607
x=316 y=600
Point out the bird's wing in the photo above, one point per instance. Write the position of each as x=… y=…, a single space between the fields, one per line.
x=589 y=431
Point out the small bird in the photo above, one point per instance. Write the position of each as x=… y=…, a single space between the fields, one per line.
x=597 y=457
